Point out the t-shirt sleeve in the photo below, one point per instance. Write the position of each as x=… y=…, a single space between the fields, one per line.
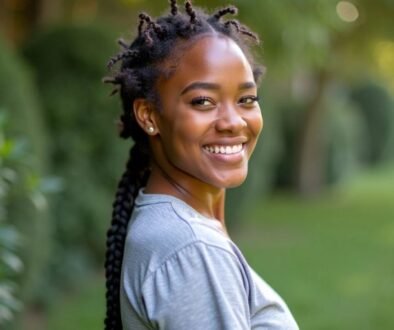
x=201 y=287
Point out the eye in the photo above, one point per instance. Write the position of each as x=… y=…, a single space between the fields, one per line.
x=249 y=100
x=202 y=101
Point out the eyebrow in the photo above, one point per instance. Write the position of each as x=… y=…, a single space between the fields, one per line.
x=213 y=86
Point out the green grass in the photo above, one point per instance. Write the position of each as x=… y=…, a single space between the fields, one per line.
x=82 y=310
x=331 y=259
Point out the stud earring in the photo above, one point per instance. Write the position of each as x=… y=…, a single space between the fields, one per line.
x=150 y=129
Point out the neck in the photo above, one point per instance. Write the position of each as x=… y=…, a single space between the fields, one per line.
x=207 y=200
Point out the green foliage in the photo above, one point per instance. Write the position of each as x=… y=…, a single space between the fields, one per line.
x=10 y=266
x=377 y=111
x=10 y=240
x=15 y=241
x=69 y=63
x=26 y=205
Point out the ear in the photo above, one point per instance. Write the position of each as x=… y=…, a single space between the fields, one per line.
x=145 y=115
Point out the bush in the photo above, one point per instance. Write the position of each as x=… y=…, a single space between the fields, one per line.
x=376 y=109
x=69 y=63
x=11 y=264
x=25 y=203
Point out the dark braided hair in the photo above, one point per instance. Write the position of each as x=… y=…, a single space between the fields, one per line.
x=141 y=66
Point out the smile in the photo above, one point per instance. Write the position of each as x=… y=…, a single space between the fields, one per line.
x=225 y=150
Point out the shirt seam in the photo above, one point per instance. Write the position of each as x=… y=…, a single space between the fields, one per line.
x=173 y=254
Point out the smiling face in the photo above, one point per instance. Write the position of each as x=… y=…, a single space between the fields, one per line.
x=209 y=119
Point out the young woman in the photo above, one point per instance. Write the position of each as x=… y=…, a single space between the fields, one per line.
x=189 y=92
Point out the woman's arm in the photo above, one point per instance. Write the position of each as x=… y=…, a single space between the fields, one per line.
x=201 y=286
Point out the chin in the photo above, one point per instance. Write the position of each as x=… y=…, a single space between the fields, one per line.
x=231 y=182
x=235 y=184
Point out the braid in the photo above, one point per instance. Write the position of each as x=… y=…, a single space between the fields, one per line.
x=234 y=23
x=140 y=26
x=159 y=30
x=174 y=7
x=123 y=44
x=250 y=34
x=148 y=38
x=241 y=29
x=191 y=12
x=126 y=54
x=136 y=78
x=145 y=18
x=224 y=11
x=132 y=179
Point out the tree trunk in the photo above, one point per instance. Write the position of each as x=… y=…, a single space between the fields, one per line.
x=311 y=154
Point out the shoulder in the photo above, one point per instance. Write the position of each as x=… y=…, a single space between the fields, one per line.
x=161 y=229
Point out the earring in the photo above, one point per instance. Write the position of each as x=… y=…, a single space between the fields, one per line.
x=150 y=129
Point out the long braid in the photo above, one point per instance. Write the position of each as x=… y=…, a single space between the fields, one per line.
x=132 y=180
x=136 y=78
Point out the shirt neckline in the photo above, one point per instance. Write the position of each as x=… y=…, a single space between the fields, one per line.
x=146 y=199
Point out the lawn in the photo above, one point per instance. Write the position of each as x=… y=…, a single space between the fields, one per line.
x=330 y=258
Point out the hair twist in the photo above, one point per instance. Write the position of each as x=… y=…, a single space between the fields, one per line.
x=250 y=34
x=174 y=7
x=234 y=23
x=191 y=12
x=224 y=11
x=125 y=54
x=123 y=44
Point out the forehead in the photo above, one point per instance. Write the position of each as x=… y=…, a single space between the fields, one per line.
x=208 y=57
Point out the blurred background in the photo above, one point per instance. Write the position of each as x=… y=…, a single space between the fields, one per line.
x=316 y=215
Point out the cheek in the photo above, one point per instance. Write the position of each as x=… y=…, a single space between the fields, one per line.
x=256 y=123
x=180 y=138
x=189 y=128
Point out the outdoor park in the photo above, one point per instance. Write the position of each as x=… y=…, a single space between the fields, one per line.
x=315 y=217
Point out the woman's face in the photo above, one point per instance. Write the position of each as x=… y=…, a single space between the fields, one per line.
x=209 y=119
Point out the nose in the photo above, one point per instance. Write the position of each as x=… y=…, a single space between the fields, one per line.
x=229 y=119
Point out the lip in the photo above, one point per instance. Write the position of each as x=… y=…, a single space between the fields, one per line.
x=228 y=141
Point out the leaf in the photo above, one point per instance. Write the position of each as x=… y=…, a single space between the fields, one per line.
x=6 y=148
x=10 y=238
x=12 y=261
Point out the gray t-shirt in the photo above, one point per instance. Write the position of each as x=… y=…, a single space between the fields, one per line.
x=182 y=272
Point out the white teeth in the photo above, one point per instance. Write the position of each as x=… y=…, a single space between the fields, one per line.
x=227 y=150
